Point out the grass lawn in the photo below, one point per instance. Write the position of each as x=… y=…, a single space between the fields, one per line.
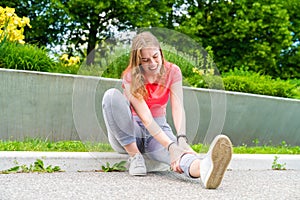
x=79 y=146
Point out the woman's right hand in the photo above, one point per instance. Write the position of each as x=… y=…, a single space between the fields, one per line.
x=176 y=152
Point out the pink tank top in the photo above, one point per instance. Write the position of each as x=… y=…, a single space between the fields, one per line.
x=159 y=93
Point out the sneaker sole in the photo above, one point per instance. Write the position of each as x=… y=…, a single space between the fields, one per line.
x=138 y=174
x=221 y=155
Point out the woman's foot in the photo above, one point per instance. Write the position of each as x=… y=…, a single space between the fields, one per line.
x=216 y=161
x=137 y=165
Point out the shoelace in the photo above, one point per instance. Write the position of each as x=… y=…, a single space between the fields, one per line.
x=139 y=161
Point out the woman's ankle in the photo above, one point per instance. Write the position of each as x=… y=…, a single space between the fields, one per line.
x=195 y=169
x=190 y=164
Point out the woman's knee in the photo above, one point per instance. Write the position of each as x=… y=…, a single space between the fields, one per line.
x=114 y=99
x=111 y=95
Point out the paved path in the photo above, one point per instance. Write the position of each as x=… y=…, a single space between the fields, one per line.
x=237 y=184
x=87 y=161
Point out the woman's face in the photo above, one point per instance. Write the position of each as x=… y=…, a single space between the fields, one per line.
x=151 y=61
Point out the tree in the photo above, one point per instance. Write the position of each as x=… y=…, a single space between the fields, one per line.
x=79 y=22
x=291 y=56
x=44 y=19
x=241 y=32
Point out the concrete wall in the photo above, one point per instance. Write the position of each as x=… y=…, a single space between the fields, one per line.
x=68 y=107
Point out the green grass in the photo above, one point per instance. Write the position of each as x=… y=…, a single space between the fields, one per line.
x=265 y=149
x=59 y=146
x=78 y=146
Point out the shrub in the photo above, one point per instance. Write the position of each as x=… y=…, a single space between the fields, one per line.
x=115 y=69
x=25 y=57
x=252 y=82
x=186 y=62
x=67 y=65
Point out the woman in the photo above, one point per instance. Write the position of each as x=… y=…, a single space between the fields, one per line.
x=136 y=120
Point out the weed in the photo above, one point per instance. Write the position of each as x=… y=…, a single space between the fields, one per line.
x=276 y=165
x=117 y=167
x=37 y=166
x=255 y=141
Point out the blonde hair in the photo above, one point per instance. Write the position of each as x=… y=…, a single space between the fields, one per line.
x=140 y=41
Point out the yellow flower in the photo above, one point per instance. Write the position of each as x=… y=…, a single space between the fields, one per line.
x=26 y=21
x=195 y=70
x=198 y=71
x=12 y=26
x=201 y=72
x=73 y=60
x=21 y=41
x=10 y=11
x=64 y=57
x=211 y=71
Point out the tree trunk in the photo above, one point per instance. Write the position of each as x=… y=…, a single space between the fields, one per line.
x=91 y=45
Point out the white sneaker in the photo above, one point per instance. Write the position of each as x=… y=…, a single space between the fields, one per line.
x=137 y=165
x=216 y=161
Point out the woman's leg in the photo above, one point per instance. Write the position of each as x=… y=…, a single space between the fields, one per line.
x=189 y=163
x=124 y=134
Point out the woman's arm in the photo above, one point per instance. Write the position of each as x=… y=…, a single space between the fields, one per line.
x=145 y=115
x=178 y=112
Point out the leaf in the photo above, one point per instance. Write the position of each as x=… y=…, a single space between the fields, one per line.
x=56 y=169
x=14 y=169
x=39 y=164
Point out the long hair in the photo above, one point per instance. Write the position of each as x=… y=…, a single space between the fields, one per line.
x=140 y=41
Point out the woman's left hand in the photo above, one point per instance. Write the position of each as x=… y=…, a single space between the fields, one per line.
x=183 y=143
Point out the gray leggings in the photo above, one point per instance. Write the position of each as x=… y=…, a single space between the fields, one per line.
x=123 y=128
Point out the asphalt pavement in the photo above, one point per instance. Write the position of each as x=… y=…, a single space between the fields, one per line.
x=248 y=177
x=237 y=184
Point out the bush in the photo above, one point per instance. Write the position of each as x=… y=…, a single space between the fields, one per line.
x=25 y=57
x=252 y=82
x=115 y=69
x=65 y=69
x=186 y=62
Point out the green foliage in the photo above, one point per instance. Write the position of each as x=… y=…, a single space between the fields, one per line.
x=117 y=167
x=263 y=35
x=186 y=63
x=30 y=57
x=38 y=166
x=252 y=82
x=79 y=146
x=78 y=22
x=65 y=69
x=291 y=56
x=200 y=148
x=45 y=145
x=25 y=57
x=276 y=165
x=296 y=82
x=115 y=69
x=283 y=148
x=251 y=33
